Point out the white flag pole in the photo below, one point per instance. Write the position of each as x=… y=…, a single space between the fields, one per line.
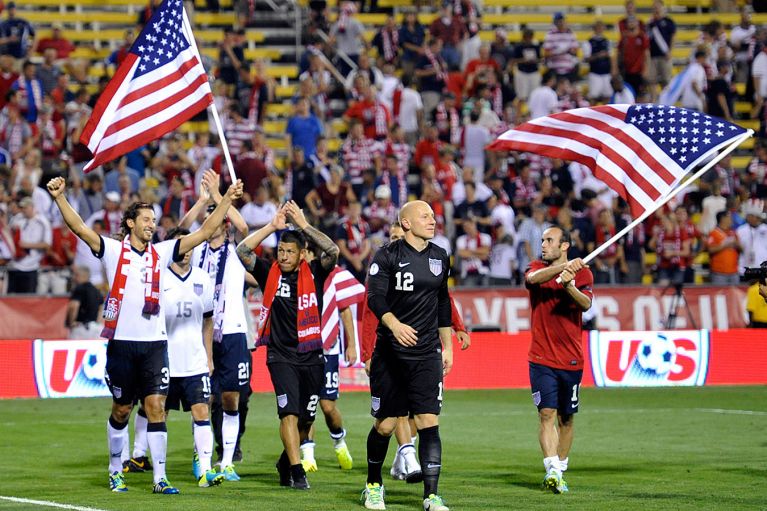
x=673 y=193
x=224 y=146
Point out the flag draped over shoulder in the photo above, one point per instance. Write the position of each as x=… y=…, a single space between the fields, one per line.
x=341 y=291
x=639 y=151
x=160 y=85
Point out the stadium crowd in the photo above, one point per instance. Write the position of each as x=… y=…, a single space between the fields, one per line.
x=419 y=105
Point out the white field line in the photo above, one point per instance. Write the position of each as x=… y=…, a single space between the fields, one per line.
x=48 y=503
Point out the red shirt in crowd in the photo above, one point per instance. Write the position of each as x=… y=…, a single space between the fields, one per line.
x=633 y=48
x=375 y=118
x=556 y=321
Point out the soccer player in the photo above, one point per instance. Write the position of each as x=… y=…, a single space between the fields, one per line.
x=342 y=290
x=407 y=291
x=137 y=352
x=187 y=301
x=405 y=465
x=289 y=326
x=231 y=357
x=556 y=353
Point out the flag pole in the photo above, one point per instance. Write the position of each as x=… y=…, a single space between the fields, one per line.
x=224 y=145
x=673 y=193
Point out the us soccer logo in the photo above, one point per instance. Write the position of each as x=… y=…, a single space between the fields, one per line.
x=435 y=266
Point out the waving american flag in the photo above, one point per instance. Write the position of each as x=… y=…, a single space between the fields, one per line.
x=159 y=86
x=639 y=151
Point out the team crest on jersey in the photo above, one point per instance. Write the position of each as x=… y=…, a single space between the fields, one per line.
x=375 y=403
x=282 y=400
x=435 y=265
x=198 y=289
x=111 y=308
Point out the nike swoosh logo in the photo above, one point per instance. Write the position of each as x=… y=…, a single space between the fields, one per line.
x=163 y=387
x=402 y=265
x=243 y=382
x=574 y=405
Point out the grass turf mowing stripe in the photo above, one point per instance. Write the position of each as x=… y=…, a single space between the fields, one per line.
x=46 y=503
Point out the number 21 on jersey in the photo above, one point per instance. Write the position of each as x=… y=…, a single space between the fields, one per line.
x=404 y=281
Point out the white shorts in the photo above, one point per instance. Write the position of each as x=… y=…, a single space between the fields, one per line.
x=524 y=83
x=599 y=86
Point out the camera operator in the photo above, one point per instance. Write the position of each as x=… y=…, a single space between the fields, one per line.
x=756 y=297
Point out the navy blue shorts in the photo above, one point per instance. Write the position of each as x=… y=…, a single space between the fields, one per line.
x=136 y=369
x=399 y=387
x=555 y=388
x=187 y=391
x=330 y=388
x=231 y=364
x=297 y=388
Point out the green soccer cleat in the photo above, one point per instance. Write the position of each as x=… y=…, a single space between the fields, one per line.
x=210 y=478
x=117 y=482
x=309 y=464
x=140 y=464
x=434 y=503
x=553 y=481
x=196 y=468
x=344 y=457
x=562 y=487
x=163 y=487
x=229 y=473
x=373 y=496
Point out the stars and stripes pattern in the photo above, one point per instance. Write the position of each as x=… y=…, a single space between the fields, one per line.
x=639 y=151
x=160 y=85
x=341 y=291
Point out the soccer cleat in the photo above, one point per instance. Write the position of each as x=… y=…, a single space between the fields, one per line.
x=237 y=456
x=552 y=481
x=309 y=464
x=283 y=469
x=344 y=457
x=397 y=469
x=373 y=496
x=210 y=478
x=562 y=486
x=434 y=503
x=300 y=483
x=411 y=470
x=163 y=487
x=196 y=468
x=117 y=483
x=140 y=464
x=229 y=473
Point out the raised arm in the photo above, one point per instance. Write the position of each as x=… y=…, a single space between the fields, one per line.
x=545 y=274
x=56 y=187
x=248 y=245
x=328 y=249
x=211 y=223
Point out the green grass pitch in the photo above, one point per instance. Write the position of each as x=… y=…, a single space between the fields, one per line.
x=643 y=449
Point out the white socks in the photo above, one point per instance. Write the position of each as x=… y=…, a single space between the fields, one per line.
x=203 y=443
x=116 y=439
x=563 y=464
x=552 y=463
x=157 y=439
x=338 y=438
x=230 y=428
x=139 y=435
x=307 y=451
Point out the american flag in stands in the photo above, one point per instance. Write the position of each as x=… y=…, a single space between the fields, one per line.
x=640 y=151
x=159 y=86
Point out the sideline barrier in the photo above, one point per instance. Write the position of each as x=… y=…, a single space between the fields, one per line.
x=37 y=368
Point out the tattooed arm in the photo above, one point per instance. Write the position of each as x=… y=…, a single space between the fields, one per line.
x=248 y=245
x=328 y=249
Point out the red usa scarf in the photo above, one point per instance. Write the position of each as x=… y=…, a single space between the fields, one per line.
x=308 y=317
x=435 y=63
x=390 y=39
x=354 y=234
x=396 y=102
x=114 y=299
x=448 y=121
x=381 y=125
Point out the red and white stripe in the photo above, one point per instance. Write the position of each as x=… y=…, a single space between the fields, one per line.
x=341 y=291
x=132 y=112
x=618 y=153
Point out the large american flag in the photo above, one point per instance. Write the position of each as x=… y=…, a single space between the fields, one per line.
x=342 y=290
x=639 y=151
x=160 y=85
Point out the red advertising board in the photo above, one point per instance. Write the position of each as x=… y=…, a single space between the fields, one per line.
x=495 y=361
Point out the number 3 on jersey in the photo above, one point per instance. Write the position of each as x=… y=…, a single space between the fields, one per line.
x=404 y=281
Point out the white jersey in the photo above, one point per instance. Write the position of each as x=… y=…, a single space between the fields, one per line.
x=185 y=300
x=132 y=323
x=207 y=258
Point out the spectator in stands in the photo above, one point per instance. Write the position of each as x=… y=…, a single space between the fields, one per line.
x=693 y=94
x=451 y=30
x=84 y=258
x=611 y=261
x=231 y=56
x=527 y=59
x=500 y=49
x=7 y=245
x=145 y=14
x=7 y=77
x=529 y=236
x=30 y=91
x=303 y=129
x=301 y=177
x=524 y=188
x=328 y=202
x=431 y=70
x=116 y=57
x=408 y=110
x=237 y=130
x=347 y=36
x=756 y=305
x=353 y=240
x=596 y=52
x=251 y=170
x=110 y=216
x=366 y=68
x=57 y=42
x=54 y=272
x=411 y=38
x=474 y=139
x=560 y=48
x=634 y=50
x=448 y=120
x=477 y=69
x=753 y=235
x=466 y=175
x=84 y=307
x=381 y=214
x=711 y=206
x=16 y=134
x=387 y=42
x=358 y=153
x=724 y=248
x=372 y=113
x=720 y=93
x=631 y=12
x=673 y=248
x=48 y=72
x=176 y=203
x=661 y=31
x=260 y=210
x=473 y=250
x=502 y=259
x=741 y=39
x=49 y=134
x=472 y=209
x=320 y=77
x=623 y=93
x=543 y=99
x=17 y=35
x=321 y=162
x=32 y=238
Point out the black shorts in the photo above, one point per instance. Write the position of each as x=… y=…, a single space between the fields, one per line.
x=188 y=391
x=297 y=388
x=136 y=369
x=330 y=387
x=231 y=364
x=399 y=387
x=555 y=388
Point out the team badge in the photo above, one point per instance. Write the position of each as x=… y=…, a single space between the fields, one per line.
x=117 y=392
x=374 y=268
x=435 y=265
x=537 y=398
x=375 y=403
x=198 y=289
x=282 y=400
x=111 y=308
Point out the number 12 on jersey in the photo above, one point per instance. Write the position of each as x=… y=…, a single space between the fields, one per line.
x=404 y=281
